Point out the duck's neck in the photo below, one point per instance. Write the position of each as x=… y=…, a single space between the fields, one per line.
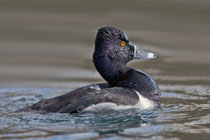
x=110 y=70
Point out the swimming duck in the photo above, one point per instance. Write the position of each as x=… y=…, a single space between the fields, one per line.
x=124 y=86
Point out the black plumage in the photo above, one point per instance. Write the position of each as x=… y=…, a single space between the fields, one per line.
x=110 y=59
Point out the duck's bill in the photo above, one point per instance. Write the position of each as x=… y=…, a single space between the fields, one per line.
x=140 y=54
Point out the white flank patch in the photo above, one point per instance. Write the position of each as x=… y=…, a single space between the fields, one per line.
x=107 y=106
x=143 y=103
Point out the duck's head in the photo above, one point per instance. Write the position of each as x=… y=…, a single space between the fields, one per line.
x=113 y=50
x=115 y=44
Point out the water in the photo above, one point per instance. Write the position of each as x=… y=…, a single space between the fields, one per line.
x=46 y=50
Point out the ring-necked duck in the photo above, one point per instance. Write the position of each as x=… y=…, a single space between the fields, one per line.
x=125 y=86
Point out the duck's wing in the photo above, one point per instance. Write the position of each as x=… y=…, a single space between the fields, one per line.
x=84 y=97
x=117 y=95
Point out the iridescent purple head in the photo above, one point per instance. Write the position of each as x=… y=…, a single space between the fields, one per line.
x=113 y=50
x=113 y=43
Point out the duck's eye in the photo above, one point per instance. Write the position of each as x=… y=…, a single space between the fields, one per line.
x=122 y=44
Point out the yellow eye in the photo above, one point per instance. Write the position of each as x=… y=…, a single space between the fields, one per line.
x=122 y=44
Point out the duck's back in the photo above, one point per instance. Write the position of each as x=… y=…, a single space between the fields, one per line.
x=77 y=100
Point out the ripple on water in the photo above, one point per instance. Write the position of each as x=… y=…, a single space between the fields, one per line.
x=184 y=111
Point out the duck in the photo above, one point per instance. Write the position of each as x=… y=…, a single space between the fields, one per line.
x=124 y=86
